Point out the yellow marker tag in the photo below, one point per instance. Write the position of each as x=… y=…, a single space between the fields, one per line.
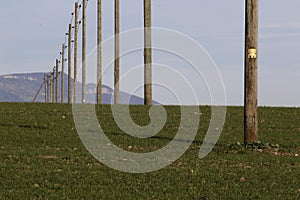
x=252 y=53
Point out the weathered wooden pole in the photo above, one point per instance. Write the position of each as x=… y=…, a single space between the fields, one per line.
x=49 y=88
x=117 y=53
x=251 y=62
x=62 y=73
x=52 y=86
x=83 y=51
x=45 y=87
x=147 y=54
x=99 y=54
x=56 y=81
x=69 y=64
x=38 y=92
x=75 y=53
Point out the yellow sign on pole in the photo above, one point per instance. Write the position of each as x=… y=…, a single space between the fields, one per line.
x=251 y=53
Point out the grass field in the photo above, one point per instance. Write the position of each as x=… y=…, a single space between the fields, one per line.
x=42 y=157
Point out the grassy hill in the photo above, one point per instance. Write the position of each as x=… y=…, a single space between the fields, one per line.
x=42 y=157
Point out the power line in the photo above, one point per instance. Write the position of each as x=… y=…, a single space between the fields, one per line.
x=66 y=43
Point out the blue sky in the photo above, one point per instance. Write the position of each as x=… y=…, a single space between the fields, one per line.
x=32 y=33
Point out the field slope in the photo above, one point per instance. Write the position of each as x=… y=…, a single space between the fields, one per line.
x=42 y=157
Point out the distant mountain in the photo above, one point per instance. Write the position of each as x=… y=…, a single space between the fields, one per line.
x=19 y=87
x=23 y=88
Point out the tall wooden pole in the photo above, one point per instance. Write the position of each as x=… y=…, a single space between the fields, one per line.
x=117 y=53
x=52 y=86
x=83 y=51
x=99 y=56
x=147 y=53
x=62 y=73
x=45 y=87
x=75 y=53
x=56 y=81
x=69 y=64
x=251 y=62
x=48 y=88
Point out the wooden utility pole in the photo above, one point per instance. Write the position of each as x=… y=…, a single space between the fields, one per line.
x=69 y=63
x=147 y=53
x=62 y=73
x=117 y=53
x=45 y=87
x=48 y=88
x=52 y=86
x=251 y=62
x=75 y=53
x=83 y=51
x=56 y=81
x=99 y=54
x=38 y=92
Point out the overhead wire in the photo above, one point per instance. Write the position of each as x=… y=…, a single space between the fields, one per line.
x=72 y=31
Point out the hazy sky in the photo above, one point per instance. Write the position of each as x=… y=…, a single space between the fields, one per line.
x=32 y=32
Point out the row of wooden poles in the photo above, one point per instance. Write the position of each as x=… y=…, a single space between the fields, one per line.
x=51 y=79
x=251 y=63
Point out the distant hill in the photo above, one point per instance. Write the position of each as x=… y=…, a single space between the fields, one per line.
x=23 y=87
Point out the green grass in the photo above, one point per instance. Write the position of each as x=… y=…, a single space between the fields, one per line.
x=42 y=157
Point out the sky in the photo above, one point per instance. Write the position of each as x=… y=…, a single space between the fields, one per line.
x=33 y=31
